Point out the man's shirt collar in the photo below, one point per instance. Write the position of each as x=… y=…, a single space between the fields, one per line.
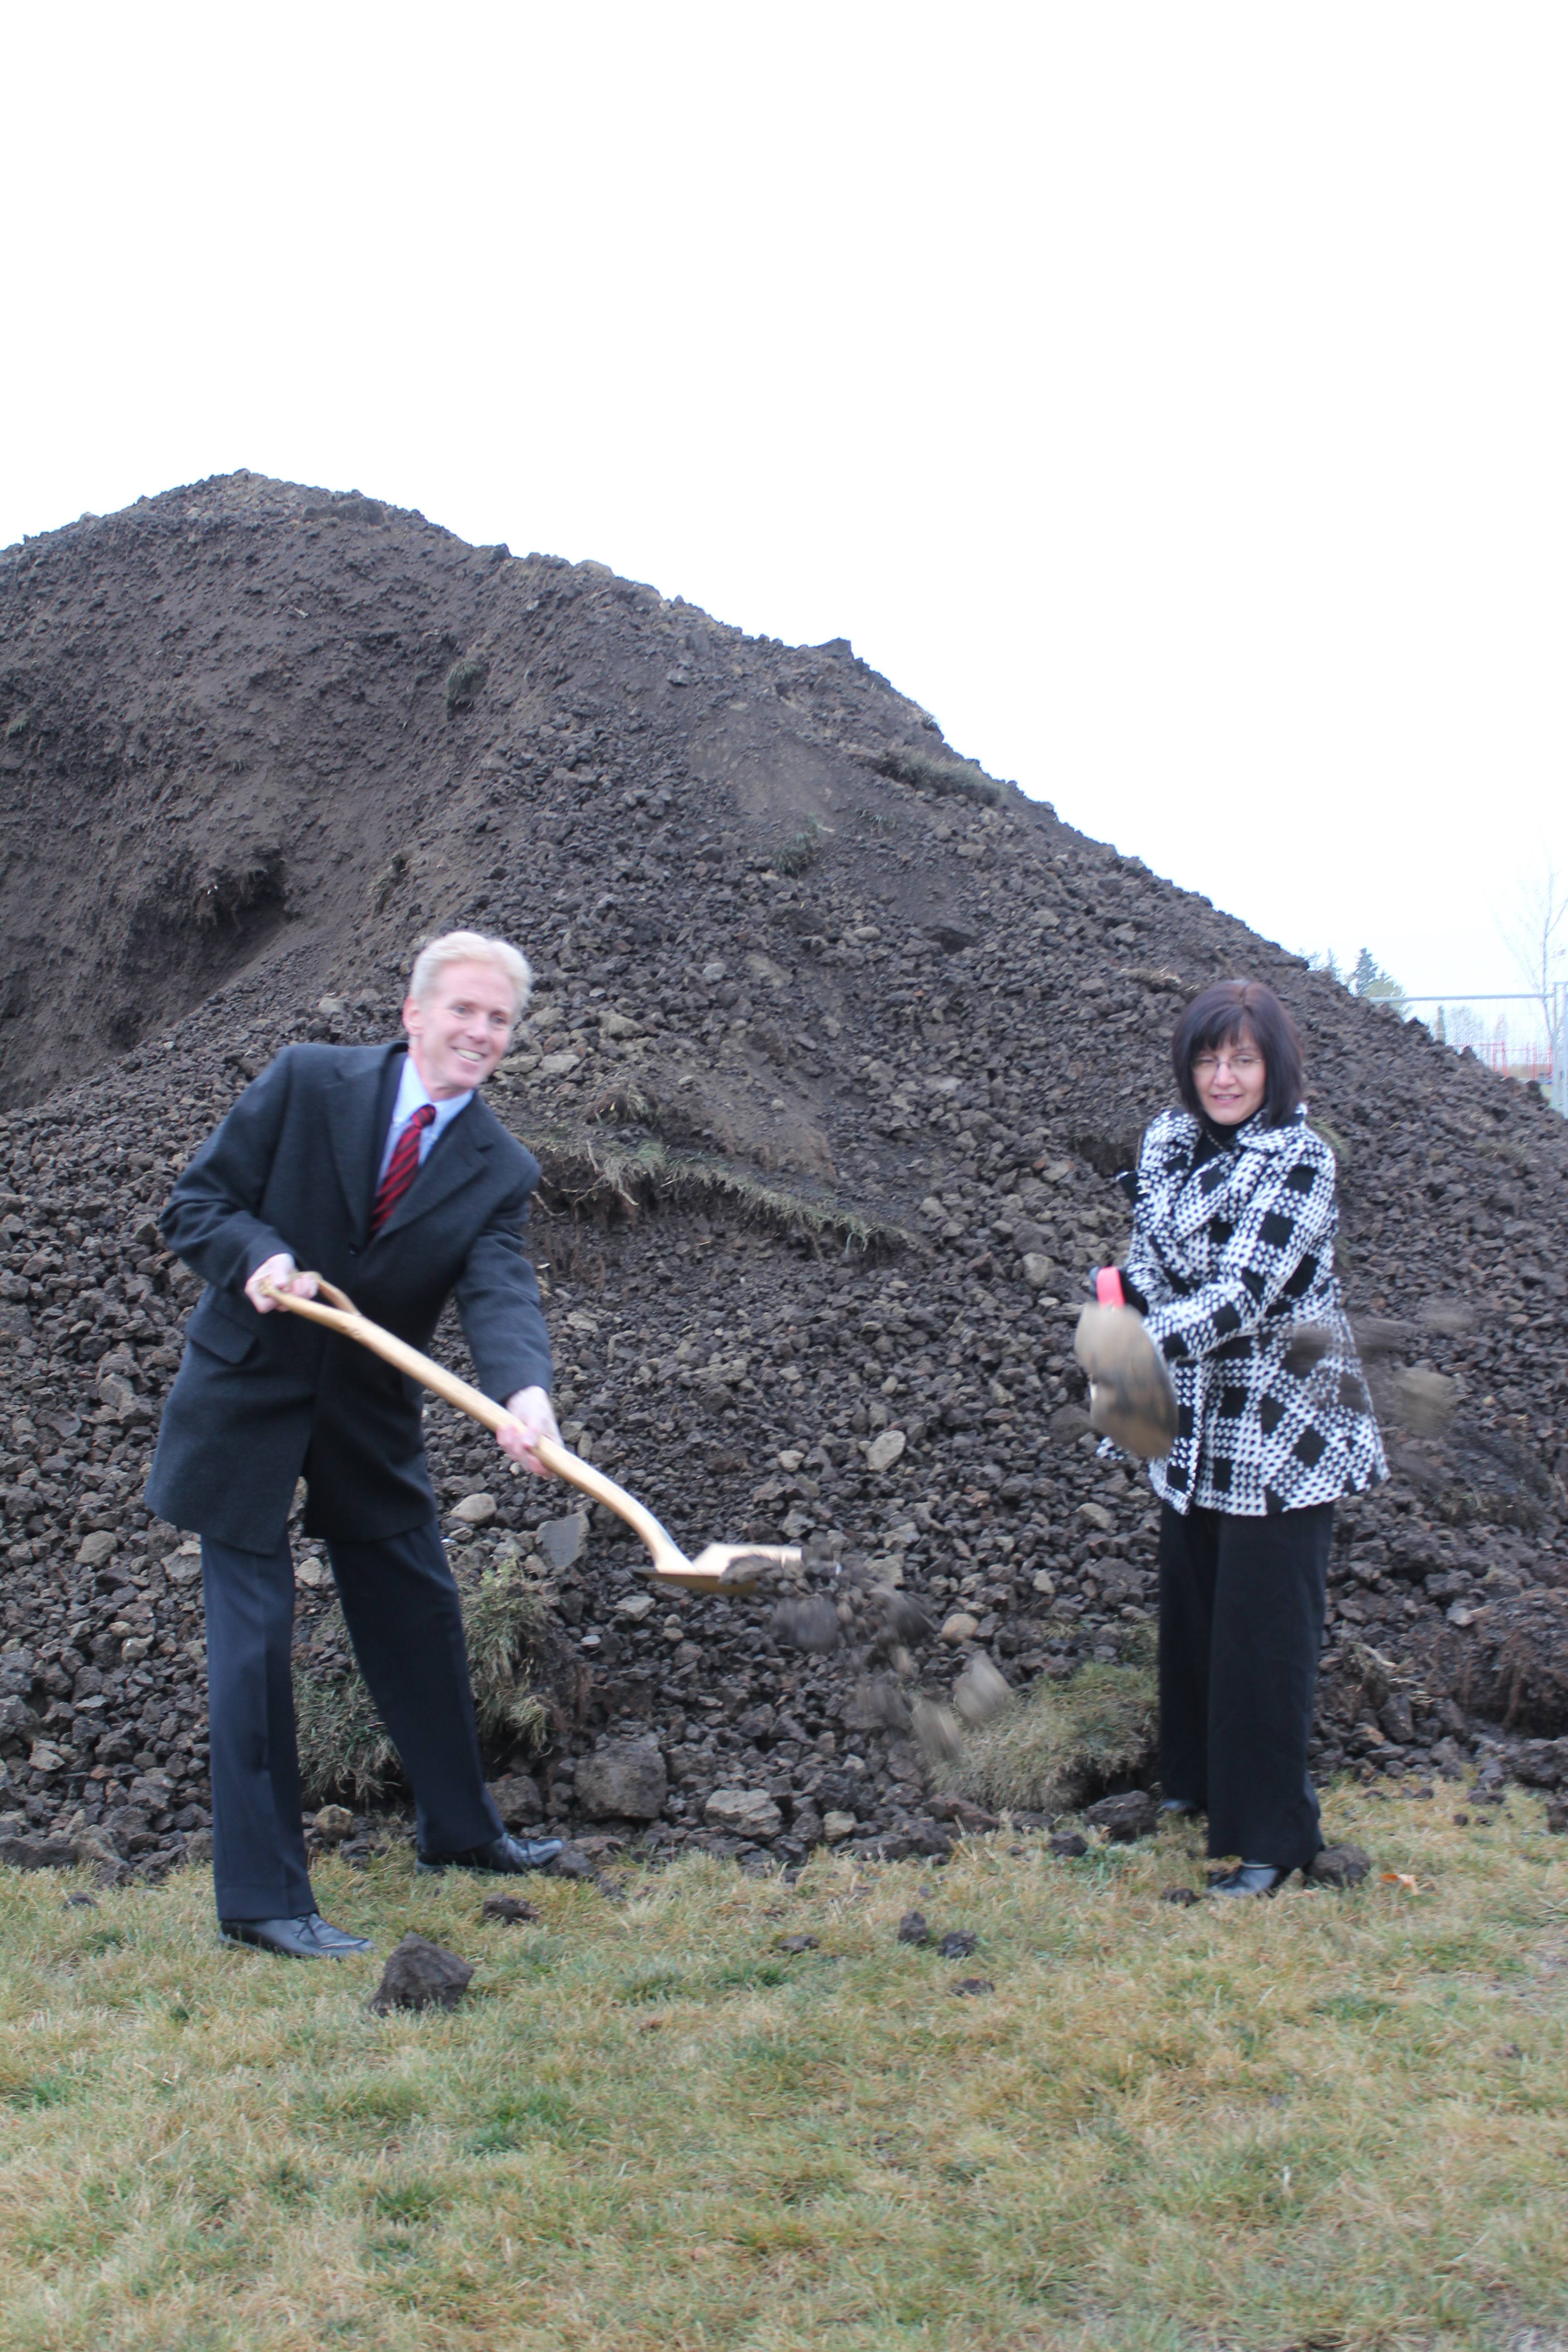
x=412 y=1094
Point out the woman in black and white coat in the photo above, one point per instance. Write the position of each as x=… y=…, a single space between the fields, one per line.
x=1232 y=1262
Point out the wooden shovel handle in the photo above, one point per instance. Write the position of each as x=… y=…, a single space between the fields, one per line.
x=342 y=1315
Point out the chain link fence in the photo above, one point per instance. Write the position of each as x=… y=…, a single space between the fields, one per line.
x=1549 y=1070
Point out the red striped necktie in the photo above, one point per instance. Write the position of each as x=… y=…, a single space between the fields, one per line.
x=402 y=1168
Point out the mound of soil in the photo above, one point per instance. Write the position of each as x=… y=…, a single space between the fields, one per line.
x=836 y=1046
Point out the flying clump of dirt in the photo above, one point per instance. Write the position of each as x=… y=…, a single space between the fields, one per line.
x=836 y=1046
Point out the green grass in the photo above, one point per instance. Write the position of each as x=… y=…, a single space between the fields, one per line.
x=1328 y=2120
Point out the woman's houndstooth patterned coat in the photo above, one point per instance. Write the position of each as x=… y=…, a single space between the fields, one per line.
x=1233 y=1248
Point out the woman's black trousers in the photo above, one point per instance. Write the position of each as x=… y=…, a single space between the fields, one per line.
x=1241 y=1624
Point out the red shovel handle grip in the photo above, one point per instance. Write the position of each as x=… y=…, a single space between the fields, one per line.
x=1108 y=1288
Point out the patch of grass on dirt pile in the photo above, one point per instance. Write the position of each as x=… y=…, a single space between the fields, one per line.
x=1334 y=2119
x=1049 y=1747
x=591 y=1172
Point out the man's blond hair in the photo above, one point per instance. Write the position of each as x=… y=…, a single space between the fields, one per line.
x=469 y=946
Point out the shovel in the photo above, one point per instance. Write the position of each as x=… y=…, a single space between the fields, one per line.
x=720 y=1568
x=1130 y=1399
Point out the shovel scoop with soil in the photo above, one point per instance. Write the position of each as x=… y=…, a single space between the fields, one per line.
x=1130 y=1399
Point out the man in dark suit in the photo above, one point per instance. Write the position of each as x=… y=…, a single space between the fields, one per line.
x=380 y=1167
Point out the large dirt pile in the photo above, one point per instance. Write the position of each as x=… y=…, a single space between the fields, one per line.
x=836 y=1046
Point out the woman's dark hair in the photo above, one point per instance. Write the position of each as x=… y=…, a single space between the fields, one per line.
x=1216 y=1017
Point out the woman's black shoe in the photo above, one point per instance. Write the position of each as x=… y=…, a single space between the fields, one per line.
x=1250 y=1878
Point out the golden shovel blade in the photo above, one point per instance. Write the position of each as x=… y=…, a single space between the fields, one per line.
x=723 y=1567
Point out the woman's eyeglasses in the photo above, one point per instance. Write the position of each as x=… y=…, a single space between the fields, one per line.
x=1245 y=1065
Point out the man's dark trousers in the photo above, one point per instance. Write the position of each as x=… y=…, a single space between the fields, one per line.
x=404 y=1620
x=1241 y=1627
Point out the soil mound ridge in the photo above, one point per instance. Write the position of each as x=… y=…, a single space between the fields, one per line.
x=837 y=1044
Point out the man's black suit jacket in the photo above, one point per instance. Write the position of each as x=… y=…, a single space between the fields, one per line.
x=261 y=1400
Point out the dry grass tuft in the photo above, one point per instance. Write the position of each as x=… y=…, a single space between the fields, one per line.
x=344 y=1749
x=948 y=777
x=1051 y=1748
x=1328 y=2120
x=466 y=681
x=800 y=850
x=584 y=1171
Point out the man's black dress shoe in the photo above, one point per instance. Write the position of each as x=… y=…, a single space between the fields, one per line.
x=505 y=1855
x=310 y=1938
x=1250 y=1878
x=1180 y=1805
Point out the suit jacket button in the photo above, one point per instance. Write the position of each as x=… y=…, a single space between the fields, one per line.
x=354 y=1249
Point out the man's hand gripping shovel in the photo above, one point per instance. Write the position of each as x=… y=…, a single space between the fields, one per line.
x=719 y=1568
x=1130 y=1399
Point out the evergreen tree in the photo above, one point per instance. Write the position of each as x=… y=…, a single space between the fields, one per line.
x=1369 y=978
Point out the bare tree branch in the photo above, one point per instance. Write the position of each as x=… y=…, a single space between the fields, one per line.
x=1536 y=933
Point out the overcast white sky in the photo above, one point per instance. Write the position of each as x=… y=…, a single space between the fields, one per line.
x=1171 y=399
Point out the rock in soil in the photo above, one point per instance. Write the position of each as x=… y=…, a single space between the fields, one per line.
x=421 y=1975
x=38 y=1853
x=744 y=1812
x=622 y=1781
x=518 y=1799
x=957 y=1944
x=970 y=1817
x=561 y=1541
x=913 y=1928
x=969 y=1987
x=570 y=1863
x=1068 y=1845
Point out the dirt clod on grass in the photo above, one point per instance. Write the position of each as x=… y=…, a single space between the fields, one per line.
x=421 y=1975
x=1340 y=1865
x=510 y=1907
x=1133 y=1814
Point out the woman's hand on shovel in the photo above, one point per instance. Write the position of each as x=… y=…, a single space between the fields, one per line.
x=532 y=1417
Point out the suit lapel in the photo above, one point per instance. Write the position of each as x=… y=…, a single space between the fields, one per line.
x=458 y=1155
x=359 y=1111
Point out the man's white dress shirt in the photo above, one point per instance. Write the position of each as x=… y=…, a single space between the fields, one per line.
x=411 y=1096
